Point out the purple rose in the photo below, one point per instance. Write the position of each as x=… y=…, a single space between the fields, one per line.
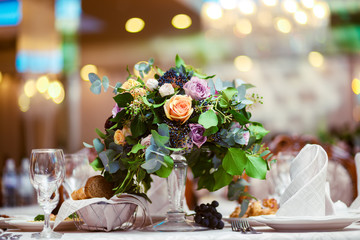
x=197 y=134
x=115 y=110
x=197 y=88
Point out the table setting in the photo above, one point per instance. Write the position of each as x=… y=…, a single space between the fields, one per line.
x=164 y=124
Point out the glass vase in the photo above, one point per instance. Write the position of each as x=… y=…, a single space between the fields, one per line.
x=175 y=217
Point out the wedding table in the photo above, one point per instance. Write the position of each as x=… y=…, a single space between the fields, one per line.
x=350 y=232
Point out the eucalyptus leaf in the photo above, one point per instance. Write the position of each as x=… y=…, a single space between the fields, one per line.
x=87 y=145
x=163 y=130
x=99 y=146
x=105 y=83
x=96 y=87
x=236 y=189
x=117 y=86
x=160 y=141
x=244 y=207
x=93 y=77
x=166 y=167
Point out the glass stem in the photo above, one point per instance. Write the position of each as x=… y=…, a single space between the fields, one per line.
x=176 y=186
x=47 y=227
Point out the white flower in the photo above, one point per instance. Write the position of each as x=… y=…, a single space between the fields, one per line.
x=146 y=141
x=166 y=89
x=152 y=84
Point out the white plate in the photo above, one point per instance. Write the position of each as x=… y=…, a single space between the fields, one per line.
x=33 y=226
x=326 y=223
x=251 y=221
x=3 y=221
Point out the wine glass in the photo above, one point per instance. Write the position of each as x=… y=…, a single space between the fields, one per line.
x=76 y=171
x=47 y=172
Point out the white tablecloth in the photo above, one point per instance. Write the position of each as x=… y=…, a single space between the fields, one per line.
x=351 y=232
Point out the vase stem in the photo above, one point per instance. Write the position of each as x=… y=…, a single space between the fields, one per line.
x=176 y=185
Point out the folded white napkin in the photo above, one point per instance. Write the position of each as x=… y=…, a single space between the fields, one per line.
x=103 y=213
x=308 y=192
x=356 y=203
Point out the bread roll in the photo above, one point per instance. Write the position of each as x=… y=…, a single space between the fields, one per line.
x=98 y=186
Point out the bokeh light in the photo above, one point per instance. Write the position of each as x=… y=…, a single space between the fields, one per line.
x=228 y=4
x=85 y=70
x=212 y=10
x=243 y=26
x=134 y=25
x=61 y=96
x=30 y=88
x=247 y=7
x=54 y=89
x=316 y=59
x=308 y=3
x=24 y=102
x=301 y=17
x=283 y=25
x=181 y=21
x=355 y=85
x=270 y=3
x=243 y=63
x=42 y=84
x=320 y=10
x=290 y=5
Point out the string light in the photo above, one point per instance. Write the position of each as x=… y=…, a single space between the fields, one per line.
x=181 y=21
x=243 y=63
x=283 y=25
x=316 y=59
x=85 y=70
x=30 y=88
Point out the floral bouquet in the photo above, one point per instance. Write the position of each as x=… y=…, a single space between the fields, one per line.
x=159 y=112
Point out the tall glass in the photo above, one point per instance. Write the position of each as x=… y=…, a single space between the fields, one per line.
x=47 y=172
x=76 y=171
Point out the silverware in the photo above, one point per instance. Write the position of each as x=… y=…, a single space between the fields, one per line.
x=243 y=226
x=15 y=237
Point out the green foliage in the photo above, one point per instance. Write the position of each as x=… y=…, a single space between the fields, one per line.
x=208 y=119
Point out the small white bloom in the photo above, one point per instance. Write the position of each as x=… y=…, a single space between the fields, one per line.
x=166 y=89
x=152 y=84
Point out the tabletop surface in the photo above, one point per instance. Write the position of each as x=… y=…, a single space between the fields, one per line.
x=350 y=232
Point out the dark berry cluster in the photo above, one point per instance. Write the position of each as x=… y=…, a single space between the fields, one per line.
x=173 y=77
x=207 y=215
x=179 y=134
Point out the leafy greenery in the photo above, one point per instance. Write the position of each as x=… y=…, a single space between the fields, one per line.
x=141 y=135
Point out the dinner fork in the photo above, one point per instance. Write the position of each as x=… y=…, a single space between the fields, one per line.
x=243 y=226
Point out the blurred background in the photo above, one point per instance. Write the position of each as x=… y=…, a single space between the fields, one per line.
x=302 y=56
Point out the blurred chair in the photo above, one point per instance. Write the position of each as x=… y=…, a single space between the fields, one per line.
x=341 y=169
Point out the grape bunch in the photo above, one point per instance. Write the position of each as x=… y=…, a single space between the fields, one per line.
x=207 y=216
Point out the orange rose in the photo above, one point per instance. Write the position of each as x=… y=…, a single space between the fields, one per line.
x=119 y=137
x=178 y=108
